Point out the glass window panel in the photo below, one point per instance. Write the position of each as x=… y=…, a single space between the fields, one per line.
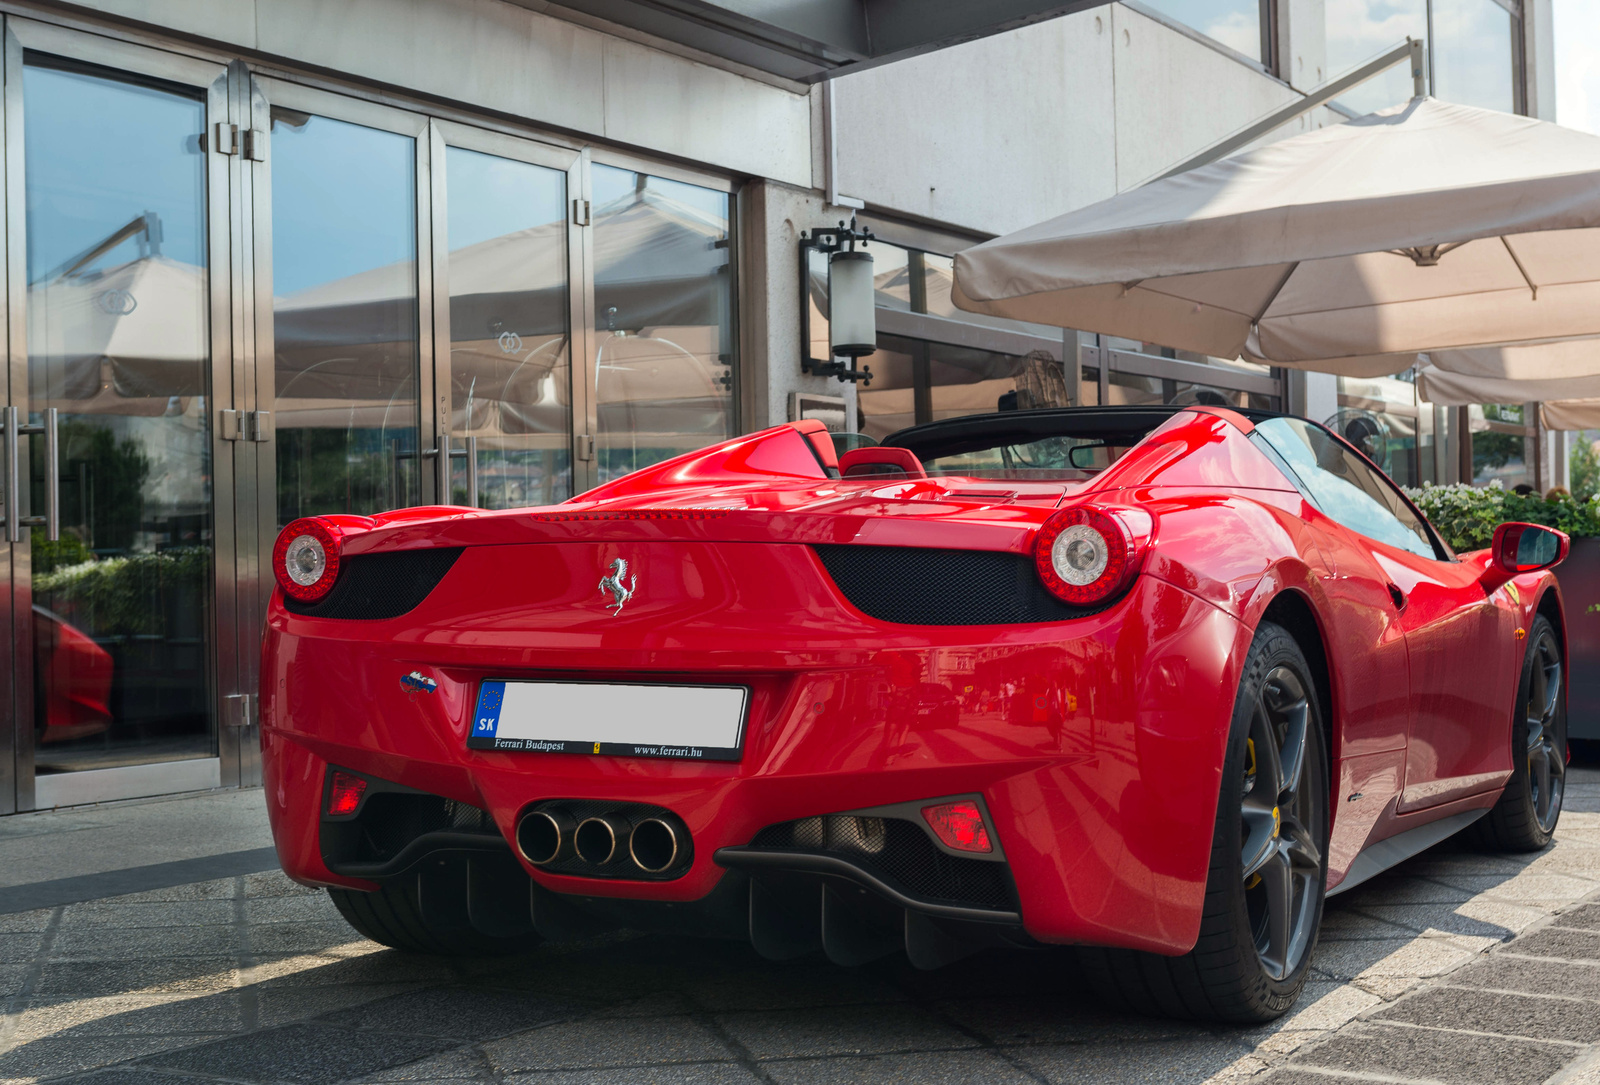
x=118 y=343
x=1472 y=61
x=344 y=301
x=1344 y=487
x=915 y=381
x=1235 y=23
x=509 y=371
x=664 y=310
x=1359 y=31
x=891 y=275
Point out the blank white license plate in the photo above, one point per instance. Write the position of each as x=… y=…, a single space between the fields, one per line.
x=690 y=723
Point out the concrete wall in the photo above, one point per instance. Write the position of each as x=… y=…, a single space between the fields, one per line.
x=488 y=54
x=1007 y=131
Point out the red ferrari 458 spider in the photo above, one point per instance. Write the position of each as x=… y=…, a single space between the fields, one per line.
x=1148 y=682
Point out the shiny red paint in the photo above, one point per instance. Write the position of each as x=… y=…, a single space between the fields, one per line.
x=75 y=679
x=1096 y=744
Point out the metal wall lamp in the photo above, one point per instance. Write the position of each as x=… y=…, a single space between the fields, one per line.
x=851 y=308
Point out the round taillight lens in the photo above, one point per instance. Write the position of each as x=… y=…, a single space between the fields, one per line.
x=1083 y=555
x=306 y=560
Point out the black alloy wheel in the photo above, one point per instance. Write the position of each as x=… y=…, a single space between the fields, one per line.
x=1281 y=859
x=1269 y=866
x=1525 y=817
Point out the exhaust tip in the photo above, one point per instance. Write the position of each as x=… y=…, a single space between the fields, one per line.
x=653 y=845
x=599 y=840
x=543 y=836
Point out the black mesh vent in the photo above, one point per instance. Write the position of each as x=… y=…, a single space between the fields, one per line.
x=901 y=854
x=376 y=586
x=916 y=586
x=390 y=820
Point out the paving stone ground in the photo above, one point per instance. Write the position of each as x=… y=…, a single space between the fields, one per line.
x=1454 y=967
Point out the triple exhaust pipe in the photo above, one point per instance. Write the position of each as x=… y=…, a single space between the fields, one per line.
x=616 y=844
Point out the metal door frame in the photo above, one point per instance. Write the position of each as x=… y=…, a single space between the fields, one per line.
x=444 y=134
x=23 y=35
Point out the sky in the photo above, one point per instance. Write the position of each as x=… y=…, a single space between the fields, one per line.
x=1577 y=36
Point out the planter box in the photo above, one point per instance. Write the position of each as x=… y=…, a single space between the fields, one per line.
x=1579 y=577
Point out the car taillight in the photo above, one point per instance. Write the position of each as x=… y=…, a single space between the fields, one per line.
x=959 y=824
x=306 y=560
x=344 y=793
x=1084 y=555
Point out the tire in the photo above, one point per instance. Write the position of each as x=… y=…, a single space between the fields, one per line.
x=1244 y=968
x=1525 y=817
x=391 y=917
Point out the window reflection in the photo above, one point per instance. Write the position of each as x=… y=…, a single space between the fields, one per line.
x=1472 y=58
x=664 y=305
x=344 y=303
x=509 y=370
x=118 y=344
x=1234 y=23
x=1359 y=31
x=915 y=381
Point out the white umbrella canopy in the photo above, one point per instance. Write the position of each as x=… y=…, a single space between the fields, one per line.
x=135 y=331
x=1349 y=249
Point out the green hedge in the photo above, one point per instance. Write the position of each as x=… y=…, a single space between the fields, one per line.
x=1467 y=515
x=123 y=596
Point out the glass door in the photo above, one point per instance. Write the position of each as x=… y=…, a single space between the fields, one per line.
x=345 y=242
x=117 y=280
x=508 y=253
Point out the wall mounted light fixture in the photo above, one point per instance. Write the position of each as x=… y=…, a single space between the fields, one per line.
x=848 y=304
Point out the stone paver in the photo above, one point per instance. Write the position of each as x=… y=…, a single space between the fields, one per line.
x=1454 y=967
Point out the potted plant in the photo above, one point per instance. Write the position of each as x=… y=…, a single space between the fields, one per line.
x=1467 y=515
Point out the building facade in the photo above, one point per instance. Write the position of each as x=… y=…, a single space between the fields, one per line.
x=274 y=258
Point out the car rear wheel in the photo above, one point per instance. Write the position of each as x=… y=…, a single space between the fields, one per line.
x=1269 y=868
x=391 y=917
x=1524 y=819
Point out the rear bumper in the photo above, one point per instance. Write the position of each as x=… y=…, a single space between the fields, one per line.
x=1096 y=744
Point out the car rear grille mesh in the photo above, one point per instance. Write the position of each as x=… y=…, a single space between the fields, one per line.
x=901 y=854
x=372 y=587
x=917 y=586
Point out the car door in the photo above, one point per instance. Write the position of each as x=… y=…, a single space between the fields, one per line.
x=1364 y=635
x=1462 y=682
x=1458 y=664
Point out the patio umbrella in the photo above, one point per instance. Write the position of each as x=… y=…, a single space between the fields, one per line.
x=1349 y=249
x=134 y=331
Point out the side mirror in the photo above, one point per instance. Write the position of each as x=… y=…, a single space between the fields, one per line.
x=1522 y=548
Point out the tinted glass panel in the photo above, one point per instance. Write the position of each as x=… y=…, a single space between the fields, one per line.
x=1235 y=23
x=1358 y=31
x=915 y=382
x=344 y=307
x=1344 y=487
x=510 y=378
x=664 y=305
x=1472 y=61
x=118 y=343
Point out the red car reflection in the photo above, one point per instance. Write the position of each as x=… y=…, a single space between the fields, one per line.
x=74 y=679
x=1148 y=682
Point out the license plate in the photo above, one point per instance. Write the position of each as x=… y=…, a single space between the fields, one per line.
x=687 y=723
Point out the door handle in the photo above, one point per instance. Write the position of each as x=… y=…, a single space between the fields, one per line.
x=443 y=457
x=1397 y=597
x=13 y=477
x=51 y=520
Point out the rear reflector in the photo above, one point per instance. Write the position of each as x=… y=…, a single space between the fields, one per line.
x=959 y=824
x=344 y=795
